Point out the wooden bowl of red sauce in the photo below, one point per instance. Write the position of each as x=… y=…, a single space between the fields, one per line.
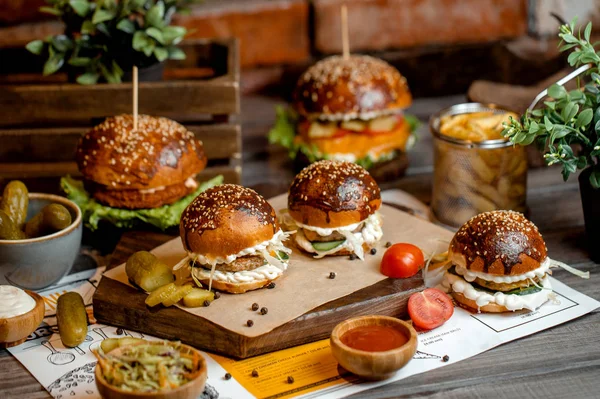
x=373 y=347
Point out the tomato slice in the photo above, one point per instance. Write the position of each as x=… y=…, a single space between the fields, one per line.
x=402 y=261
x=430 y=308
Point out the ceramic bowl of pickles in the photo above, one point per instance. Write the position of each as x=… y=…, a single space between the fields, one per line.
x=40 y=237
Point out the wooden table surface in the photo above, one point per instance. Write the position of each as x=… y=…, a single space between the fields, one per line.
x=560 y=362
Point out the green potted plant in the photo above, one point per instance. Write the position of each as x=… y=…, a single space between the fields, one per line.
x=567 y=128
x=103 y=39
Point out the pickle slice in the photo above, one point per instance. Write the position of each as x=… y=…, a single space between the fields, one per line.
x=145 y=270
x=196 y=297
x=326 y=245
x=173 y=298
x=160 y=294
x=109 y=344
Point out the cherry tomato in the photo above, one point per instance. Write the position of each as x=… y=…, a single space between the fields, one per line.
x=402 y=261
x=430 y=308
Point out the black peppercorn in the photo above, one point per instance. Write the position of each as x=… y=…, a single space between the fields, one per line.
x=227 y=376
x=445 y=358
x=207 y=303
x=373 y=251
x=353 y=257
x=264 y=310
x=249 y=323
x=217 y=295
x=271 y=285
x=290 y=379
x=332 y=275
x=388 y=244
x=255 y=306
x=254 y=373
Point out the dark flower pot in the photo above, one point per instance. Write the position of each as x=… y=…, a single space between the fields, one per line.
x=590 y=199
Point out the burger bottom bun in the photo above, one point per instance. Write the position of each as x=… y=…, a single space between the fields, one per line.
x=341 y=252
x=470 y=304
x=237 y=288
x=382 y=171
x=134 y=199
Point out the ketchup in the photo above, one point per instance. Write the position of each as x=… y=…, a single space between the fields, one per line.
x=374 y=338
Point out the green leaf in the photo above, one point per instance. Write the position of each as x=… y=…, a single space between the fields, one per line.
x=176 y=53
x=547 y=124
x=126 y=26
x=581 y=162
x=35 y=47
x=588 y=31
x=81 y=7
x=101 y=15
x=550 y=104
x=569 y=38
x=88 y=78
x=61 y=43
x=110 y=76
x=534 y=127
x=528 y=140
x=54 y=63
x=573 y=57
x=559 y=132
x=80 y=61
x=140 y=40
x=584 y=118
x=51 y=10
x=155 y=34
x=137 y=3
x=174 y=34
x=595 y=179
x=161 y=53
x=88 y=27
x=557 y=91
x=154 y=16
x=567 y=47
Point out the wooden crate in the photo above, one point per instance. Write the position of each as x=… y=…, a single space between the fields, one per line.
x=42 y=118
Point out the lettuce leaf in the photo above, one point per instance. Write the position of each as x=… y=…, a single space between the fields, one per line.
x=284 y=132
x=163 y=217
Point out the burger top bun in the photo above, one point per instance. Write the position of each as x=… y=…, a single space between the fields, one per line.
x=225 y=220
x=499 y=243
x=160 y=152
x=363 y=87
x=333 y=194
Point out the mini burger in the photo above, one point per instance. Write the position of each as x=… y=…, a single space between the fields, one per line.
x=333 y=206
x=348 y=109
x=233 y=240
x=499 y=264
x=145 y=174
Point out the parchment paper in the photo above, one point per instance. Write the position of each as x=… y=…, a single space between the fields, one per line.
x=305 y=284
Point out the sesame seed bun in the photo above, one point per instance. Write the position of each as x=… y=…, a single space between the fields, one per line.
x=361 y=86
x=160 y=153
x=333 y=194
x=225 y=220
x=471 y=305
x=237 y=288
x=498 y=243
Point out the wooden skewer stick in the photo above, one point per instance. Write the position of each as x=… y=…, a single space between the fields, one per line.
x=345 y=41
x=135 y=98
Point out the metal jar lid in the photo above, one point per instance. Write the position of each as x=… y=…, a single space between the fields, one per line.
x=467 y=108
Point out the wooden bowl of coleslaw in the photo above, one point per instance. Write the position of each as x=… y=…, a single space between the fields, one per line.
x=191 y=389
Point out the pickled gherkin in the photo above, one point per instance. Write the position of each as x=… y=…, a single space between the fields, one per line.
x=8 y=229
x=71 y=319
x=197 y=296
x=15 y=200
x=147 y=272
x=52 y=218
x=182 y=291
x=161 y=294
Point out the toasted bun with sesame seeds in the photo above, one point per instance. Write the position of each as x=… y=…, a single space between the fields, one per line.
x=161 y=152
x=498 y=243
x=360 y=86
x=332 y=194
x=225 y=220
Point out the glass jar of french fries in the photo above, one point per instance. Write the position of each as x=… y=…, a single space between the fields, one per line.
x=475 y=168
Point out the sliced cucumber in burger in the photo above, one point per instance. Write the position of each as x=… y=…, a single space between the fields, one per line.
x=282 y=255
x=383 y=123
x=326 y=246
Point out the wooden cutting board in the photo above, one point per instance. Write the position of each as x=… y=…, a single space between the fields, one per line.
x=119 y=304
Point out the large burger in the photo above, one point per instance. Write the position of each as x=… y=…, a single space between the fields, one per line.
x=499 y=264
x=348 y=109
x=145 y=174
x=233 y=240
x=333 y=206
